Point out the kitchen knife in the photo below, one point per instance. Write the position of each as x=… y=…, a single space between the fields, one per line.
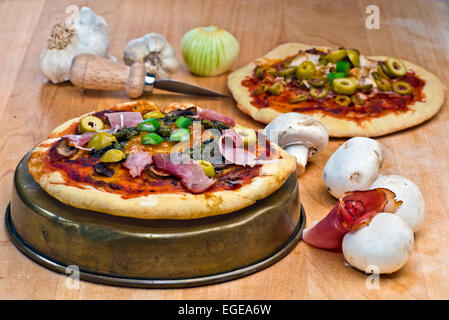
x=93 y=72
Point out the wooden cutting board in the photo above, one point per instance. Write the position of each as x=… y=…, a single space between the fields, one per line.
x=417 y=31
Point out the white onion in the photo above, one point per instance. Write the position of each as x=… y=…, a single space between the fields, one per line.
x=209 y=51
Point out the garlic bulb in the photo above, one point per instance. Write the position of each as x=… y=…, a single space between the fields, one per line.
x=154 y=51
x=209 y=51
x=87 y=35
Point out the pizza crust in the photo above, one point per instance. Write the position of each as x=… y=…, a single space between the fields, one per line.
x=159 y=206
x=338 y=127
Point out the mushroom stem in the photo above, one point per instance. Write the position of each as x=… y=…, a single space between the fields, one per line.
x=301 y=152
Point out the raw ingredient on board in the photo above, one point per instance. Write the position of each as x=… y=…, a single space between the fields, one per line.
x=299 y=135
x=353 y=166
x=374 y=235
x=353 y=211
x=383 y=246
x=87 y=35
x=154 y=51
x=412 y=208
x=209 y=51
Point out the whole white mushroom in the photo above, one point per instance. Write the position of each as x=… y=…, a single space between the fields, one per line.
x=300 y=135
x=354 y=166
x=384 y=245
x=412 y=207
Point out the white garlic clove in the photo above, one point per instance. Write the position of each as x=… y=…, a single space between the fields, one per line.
x=87 y=35
x=154 y=52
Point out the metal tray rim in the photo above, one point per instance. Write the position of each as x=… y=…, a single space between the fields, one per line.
x=37 y=257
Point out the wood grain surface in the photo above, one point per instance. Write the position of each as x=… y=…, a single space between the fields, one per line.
x=417 y=31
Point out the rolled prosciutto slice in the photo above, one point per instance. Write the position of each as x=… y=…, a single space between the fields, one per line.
x=207 y=114
x=120 y=120
x=352 y=211
x=231 y=148
x=191 y=174
x=136 y=162
x=79 y=140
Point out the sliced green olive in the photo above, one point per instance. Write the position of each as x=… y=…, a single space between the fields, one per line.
x=322 y=61
x=207 y=167
x=354 y=57
x=300 y=98
x=272 y=71
x=259 y=72
x=319 y=93
x=382 y=70
x=318 y=82
x=90 y=124
x=101 y=140
x=342 y=100
x=276 y=89
x=357 y=99
x=306 y=70
x=402 y=87
x=286 y=72
x=154 y=115
x=262 y=89
x=248 y=135
x=344 y=85
x=287 y=62
x=383 y=84
x=396 y=67
x=113 y=155
x=336 y=56
x=364 y=87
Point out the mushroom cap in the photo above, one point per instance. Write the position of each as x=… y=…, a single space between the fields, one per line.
x=384 y=245
x=412 y=207
x=353 y=166
x=294 y=128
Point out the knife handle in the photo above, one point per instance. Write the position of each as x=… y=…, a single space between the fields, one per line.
x=93 y=72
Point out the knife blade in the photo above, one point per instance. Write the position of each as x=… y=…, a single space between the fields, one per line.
x=178 y=86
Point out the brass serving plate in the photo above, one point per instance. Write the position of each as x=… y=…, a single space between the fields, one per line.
x=152 y=253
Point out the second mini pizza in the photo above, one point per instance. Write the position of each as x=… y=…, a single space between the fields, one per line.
x=351 y=94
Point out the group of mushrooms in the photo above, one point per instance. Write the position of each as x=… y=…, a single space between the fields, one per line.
x=387 y=241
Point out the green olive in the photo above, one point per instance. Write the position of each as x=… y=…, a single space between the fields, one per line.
x=383 y=84
x=382 y=70
x=207 y=167
x=318 y=82
x=336 y=56
x=364 y=87
x=396 y=67
x=286 y=62
x=259 y=72
x=276 y=89
x=272 y=71
x=357 y=99
x=101 y=140
x=90 y=124
x=248 y=135
x=113 y=155
x=306 y=70
x=154 y=115
x=344 y=85
x=353 y=56
x=262 y=89
x=286 y=72
x=300 y=98
x=319 y=93
x=342 y=100
x=402 y=87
